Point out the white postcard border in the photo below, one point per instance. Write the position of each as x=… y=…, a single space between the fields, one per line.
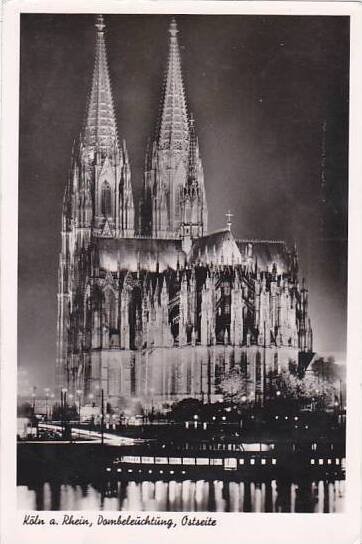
x=250 y=528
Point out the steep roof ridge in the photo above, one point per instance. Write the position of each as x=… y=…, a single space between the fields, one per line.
x=260 y=241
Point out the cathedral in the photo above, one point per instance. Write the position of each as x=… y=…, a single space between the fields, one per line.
x=151 y=305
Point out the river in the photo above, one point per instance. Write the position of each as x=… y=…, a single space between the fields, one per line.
x=188 y=495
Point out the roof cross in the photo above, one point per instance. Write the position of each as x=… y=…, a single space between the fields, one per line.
x=228 y=216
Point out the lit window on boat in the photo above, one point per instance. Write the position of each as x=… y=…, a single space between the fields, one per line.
x=130 y=470
x=188 y=460
x=263 y=461
x=241 y=461
x=320 y=461
x=274 y=461
x=329 y=461
x=256 y=446
x=343 y=464
x=161 y=460
x=217 y=462
x=131 y=459
x=175 y=460
x=252 y=461
x=119 y=470
x=108 y=469
x=202 y=461
x=147 y=460
x=337 y=461
x=230 y=463
x=312 y=461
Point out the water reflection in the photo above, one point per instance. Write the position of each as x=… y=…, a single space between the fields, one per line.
x=183 y=496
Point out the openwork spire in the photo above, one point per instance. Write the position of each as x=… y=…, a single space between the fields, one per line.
x=174 y=132
x=192 y=173
x=100 y=129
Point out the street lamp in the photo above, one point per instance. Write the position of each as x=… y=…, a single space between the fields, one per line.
x=63 y=401
x=52 y=396
x=46 y=389
x=70 y=397
x=152 y=391
x=102 y=417
x=79 y=393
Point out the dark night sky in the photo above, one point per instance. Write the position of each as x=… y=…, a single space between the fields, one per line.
x=260 y=88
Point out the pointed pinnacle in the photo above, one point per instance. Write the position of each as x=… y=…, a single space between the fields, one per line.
x=100 y=26
x=173 y=27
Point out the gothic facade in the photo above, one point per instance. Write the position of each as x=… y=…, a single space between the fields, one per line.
x=158 y=309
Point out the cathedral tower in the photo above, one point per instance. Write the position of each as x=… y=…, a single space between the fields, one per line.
x=101 y=156
x=174 y=200
x=98 y=203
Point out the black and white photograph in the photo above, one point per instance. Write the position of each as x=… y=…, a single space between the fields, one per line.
x=182 y=263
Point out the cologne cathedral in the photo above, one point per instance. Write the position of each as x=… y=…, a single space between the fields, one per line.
x=152 y=306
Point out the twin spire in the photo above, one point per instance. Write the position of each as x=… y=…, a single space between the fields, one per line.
x=174 y=129
x=164 y=212
x=100 y=130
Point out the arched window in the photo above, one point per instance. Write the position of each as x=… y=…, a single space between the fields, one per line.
x=106 y=200
x=178 y=202
x=275 y=363
x=110 y=309
x=258 y=369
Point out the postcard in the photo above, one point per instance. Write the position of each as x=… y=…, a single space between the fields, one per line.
x=181 y=270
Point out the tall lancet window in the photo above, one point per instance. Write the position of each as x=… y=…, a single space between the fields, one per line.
x=110 y=308
x=106 y=200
